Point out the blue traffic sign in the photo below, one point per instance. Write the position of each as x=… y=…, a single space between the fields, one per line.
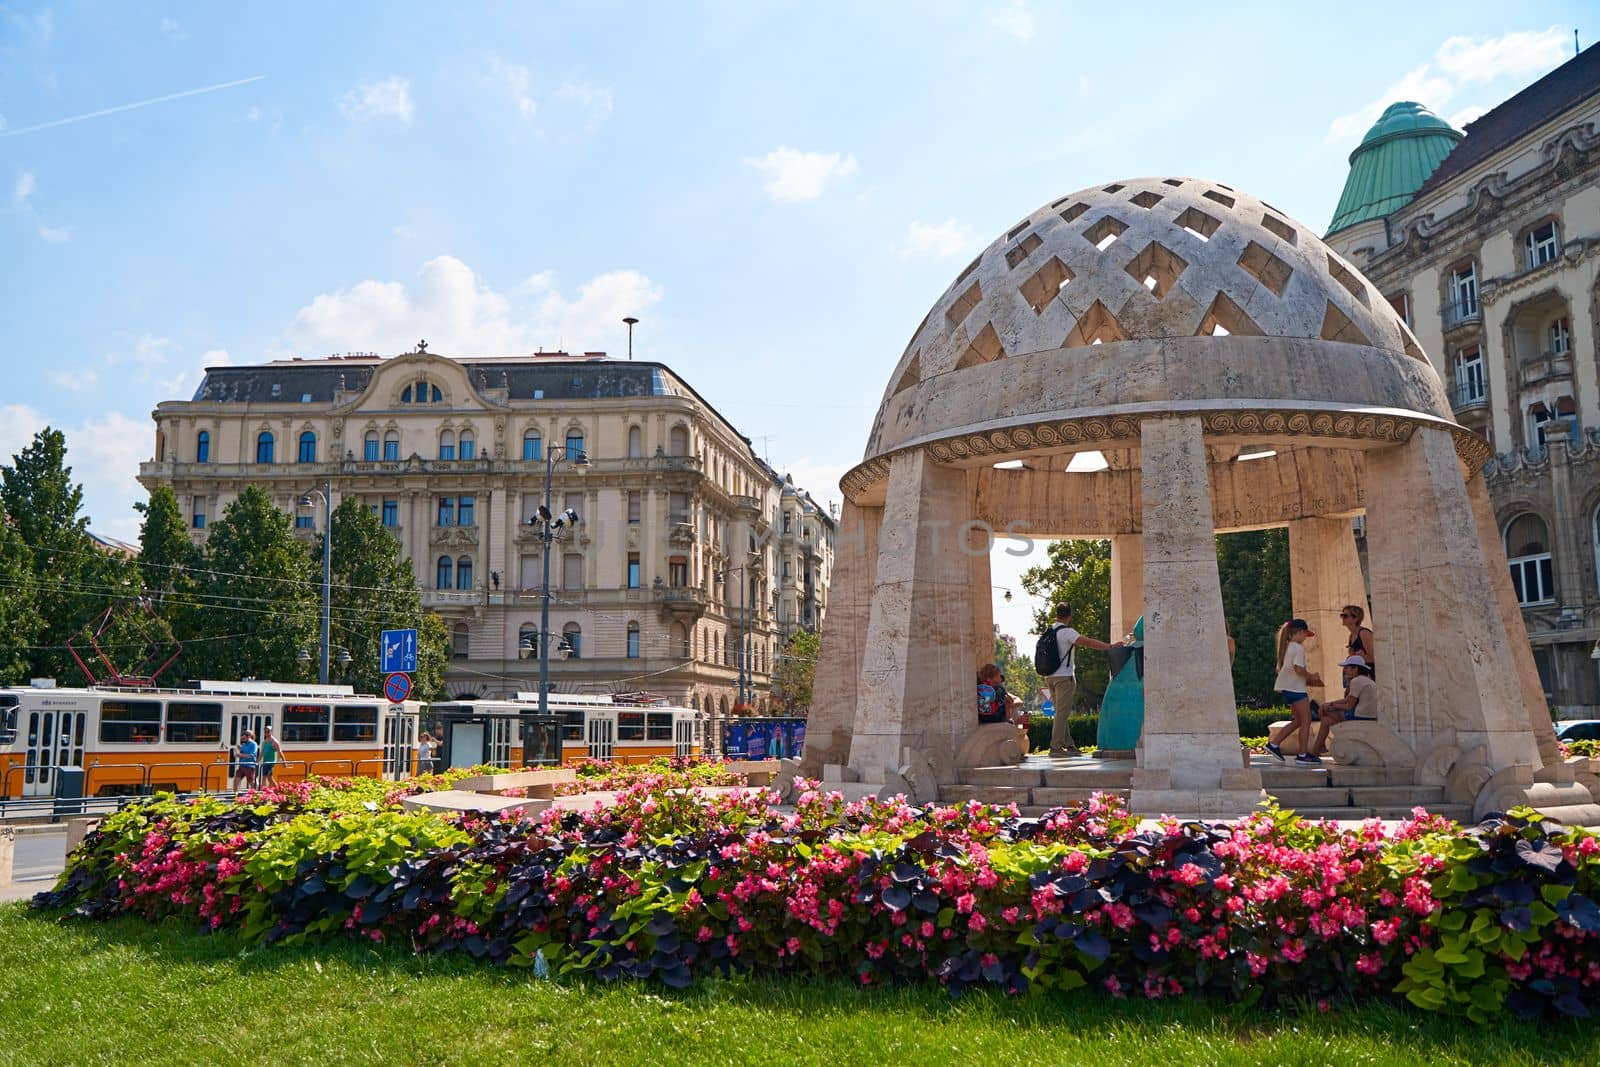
x=397 y=687
x=399 y=651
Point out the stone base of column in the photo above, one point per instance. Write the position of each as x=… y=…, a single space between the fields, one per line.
x=1237 y=794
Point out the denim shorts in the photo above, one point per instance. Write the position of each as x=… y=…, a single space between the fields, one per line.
x=1290 y=697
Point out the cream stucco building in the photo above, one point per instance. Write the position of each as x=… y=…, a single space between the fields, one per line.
x=1488 y=244
x=677 y=511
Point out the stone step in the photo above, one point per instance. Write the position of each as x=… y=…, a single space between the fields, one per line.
x=1021 y=777
x=1311 y=797
x=1397 y=796
x=1057 y=796
x=1089 y=778
x=984 y=794
x=1292 y=776
x=1340 y=774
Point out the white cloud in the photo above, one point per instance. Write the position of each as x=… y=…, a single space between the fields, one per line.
x=594 y=101
x=459 y=314
x=183 y=383
x=1459 y=61
x=796 y=175
x=517 y=80
x=944 y=240
x=55 y=234
x=75 y=381
x=1013 y=18
x=386 y=99
x=1470 y=113
x=24 y=188
x=104 y=454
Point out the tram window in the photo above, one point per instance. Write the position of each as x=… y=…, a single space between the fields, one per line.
x=136 y=721
x=572 y=726
x=194 y=723
x=659 y=726
x=355 y=723
x=8 y=717
x=305 y=722
x=630 y=726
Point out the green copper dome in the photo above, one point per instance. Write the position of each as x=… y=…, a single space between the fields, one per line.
x=1392 y=161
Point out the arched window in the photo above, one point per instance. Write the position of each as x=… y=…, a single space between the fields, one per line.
x=1528 y=552
x=405 y=395
x=464 y=572
x=468 y=445
x=572 y=634
x=391 y=445
x=635 y=442
x=679 y=441
x=202 y=447
x=442 y=573
x=447 y=444
x=264 y=447
x=574 y=443
x=458 y=641
x=528 y=640
x=369 y=446
x=633 y=640
x=532 y=445
x=680 y=639
x=308 y=447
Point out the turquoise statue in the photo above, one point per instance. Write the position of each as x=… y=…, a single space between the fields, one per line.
x=1122 y=710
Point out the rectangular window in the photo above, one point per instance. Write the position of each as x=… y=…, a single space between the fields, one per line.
x=630 y=726
x=447 y=512
x=678 y=572
x=199 y=512
x=633 y=570
x=572 y=571
x=369 y=450
x=308 y=449
x=304 y=723
x=1470 y=379
x=1533 y=578
x=635 y=505
x=574 y=502
x=1560 y=336
x=1541 y=245
x=391 y=448
x=391 y=513
x=633 y=644
x=1464 y=293
x=574 y=443
x=788 y=521
x=469 y=448
x=532 y=447
x=305 y=522
x=572 y=726
x=194 y=723
x=1401 y=302
x=658 y=726
x=678 y=507
x=355 y=722
x=130 y=721
x=466 y=506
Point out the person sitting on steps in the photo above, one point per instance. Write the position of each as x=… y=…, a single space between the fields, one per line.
x=1360 y=701
x=1053 y=660
x=996 y=704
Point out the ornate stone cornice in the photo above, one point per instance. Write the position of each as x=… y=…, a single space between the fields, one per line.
x=1123 y=430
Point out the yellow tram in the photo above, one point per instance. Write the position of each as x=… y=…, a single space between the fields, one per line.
x=621 y=728
x=129 y=740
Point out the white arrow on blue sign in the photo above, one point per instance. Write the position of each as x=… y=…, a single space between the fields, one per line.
x=399 y=651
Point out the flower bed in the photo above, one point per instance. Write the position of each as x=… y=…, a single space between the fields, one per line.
x=663 y=772
x=677 y=885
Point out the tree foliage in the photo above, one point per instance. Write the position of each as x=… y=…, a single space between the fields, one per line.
x=1254 y=568
x=1022 y=681
x=19 y=616
x=795 y=672
x=1077 y=573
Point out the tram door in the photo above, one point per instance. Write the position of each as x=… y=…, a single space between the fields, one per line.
x=683 y=734
x=602 y=734
x=55 y=739
x=254 y=720
x=399 y=735
x=499 y=749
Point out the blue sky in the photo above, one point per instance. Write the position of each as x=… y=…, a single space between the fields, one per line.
x=778 y=191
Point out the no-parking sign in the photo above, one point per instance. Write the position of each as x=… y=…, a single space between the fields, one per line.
x=397 y=687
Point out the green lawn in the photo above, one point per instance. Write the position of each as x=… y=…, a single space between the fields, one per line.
x=130 y=992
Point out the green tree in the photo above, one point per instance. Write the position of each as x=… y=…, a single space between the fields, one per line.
x=796 y=671
x=254 y=585
x=374 y=590
x=72 y=580
x=167 y=557
x=1077 y=573
x=19 y=618
x=1022 y=681
x=1254 y=568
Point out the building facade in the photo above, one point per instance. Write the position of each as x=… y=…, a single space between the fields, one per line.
x=1487 y=242
x=691 y=558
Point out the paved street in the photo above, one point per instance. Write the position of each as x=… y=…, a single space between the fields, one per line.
x=39 y=857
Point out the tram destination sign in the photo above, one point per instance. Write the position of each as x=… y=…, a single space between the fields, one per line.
x=399 y=651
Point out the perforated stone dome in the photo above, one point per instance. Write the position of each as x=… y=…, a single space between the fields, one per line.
x=1191 y=293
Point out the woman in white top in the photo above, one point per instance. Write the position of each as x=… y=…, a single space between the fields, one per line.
x=1360 y=700
x=1294 y=678
x=425 y=753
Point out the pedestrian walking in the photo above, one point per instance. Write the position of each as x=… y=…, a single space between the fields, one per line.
x=245 y=769
x=271 y=752
x=1293 y=681
x=1053 y=659
x=425 y=753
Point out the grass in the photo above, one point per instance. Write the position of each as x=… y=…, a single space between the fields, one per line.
x=128 y=991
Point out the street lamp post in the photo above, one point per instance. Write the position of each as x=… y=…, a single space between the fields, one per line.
x=548 y=526
x=304 y=506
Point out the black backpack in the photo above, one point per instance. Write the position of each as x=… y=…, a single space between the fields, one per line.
x=1047 y=653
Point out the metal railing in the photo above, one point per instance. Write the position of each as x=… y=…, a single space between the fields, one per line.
x=1461 y=312
x=1464 y=396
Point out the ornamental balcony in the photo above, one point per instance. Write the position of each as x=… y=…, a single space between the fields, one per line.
x=1459 y=313
x=1546 y=366
x=1468 y=396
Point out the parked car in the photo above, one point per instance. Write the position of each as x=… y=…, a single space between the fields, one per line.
x=1578 y=730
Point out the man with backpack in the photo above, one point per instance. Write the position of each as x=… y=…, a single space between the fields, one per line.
x=1052 y=659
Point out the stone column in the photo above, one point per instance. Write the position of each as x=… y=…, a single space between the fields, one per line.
x=1445 y=660
x=1565 y=522
x=917 y=673
x=1189 y=755
x=1127 y=583
x=844 y=634
x=1325 y=575
x=1508 y=613
x=979 y=544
